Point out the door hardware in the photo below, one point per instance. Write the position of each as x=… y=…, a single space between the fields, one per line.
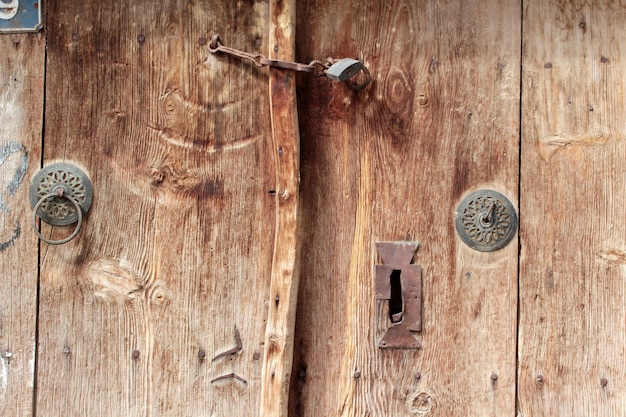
x=342 y=70
x=486 y=220
x=238 y=347
x=20 y=16
x=400 y=281
x=60 y=194
x=230 y=376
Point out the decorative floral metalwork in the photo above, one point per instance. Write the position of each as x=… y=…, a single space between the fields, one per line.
x=59 y=211
x=486 y=220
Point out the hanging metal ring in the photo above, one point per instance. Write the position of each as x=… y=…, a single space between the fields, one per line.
x=359 y=86
x=58 y=193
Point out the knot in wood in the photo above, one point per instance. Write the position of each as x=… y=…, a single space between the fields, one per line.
x=421 y=404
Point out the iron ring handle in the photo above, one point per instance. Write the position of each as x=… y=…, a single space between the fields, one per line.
x=78 y=209
x=357 y=87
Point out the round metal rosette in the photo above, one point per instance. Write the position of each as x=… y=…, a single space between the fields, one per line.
x=486 y=220
x=60 y=210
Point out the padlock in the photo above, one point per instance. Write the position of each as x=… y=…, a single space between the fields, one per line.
x=344 y=69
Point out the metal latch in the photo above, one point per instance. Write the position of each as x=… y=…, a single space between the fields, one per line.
x=20 y=16
x=400 y=282
x=344 y=70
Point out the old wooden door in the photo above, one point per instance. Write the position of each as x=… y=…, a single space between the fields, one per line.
x=458 y=86
x=160 y=306
x=391 y=164
x=176 y=261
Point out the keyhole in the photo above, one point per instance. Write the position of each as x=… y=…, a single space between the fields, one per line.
x=395 y=302
x=487 y=219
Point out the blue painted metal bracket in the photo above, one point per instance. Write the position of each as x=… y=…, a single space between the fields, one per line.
x=20 y=16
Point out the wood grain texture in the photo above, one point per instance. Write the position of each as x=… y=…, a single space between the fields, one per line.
x=391 y=163
x=176 y=250
x=21 y=116
x=285 y=143
x=573 y=296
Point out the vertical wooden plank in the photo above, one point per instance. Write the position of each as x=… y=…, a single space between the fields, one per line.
x=176 y=251
x=285 y=145
x=391 y=163
x=572 y=335
x=21 y=110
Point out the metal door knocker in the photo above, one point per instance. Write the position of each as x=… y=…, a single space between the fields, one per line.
x=60 y=194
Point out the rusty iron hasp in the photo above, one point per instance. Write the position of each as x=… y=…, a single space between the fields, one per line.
x=397 y=257
x=295 y=66
x=343 y=70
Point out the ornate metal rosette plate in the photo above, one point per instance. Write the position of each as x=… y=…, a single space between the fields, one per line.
x=60 y=211
x=486 y=220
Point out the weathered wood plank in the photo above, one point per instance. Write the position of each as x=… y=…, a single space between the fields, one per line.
x=285 y=143
x=391 y=163
x=21 y=116
x=177 y=249
x=572 y=293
